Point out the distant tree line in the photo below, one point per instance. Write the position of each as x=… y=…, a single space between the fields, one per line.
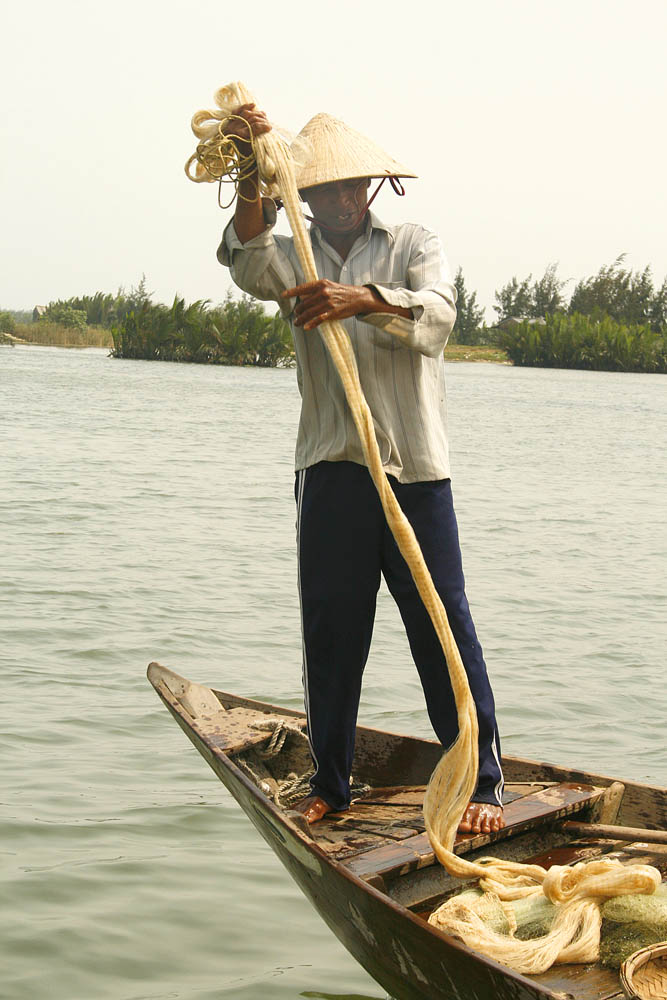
x=102 y=309
x=615 y=320
x=235 y=332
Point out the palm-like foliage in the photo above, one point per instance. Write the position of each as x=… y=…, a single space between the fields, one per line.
x=578 y=341
x=237 y=332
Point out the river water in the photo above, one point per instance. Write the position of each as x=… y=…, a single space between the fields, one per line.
x=147 y=513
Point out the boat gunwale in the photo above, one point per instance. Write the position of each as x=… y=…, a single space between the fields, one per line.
x=573 y=773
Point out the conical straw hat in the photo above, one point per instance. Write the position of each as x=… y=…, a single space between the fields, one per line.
x=327 y=150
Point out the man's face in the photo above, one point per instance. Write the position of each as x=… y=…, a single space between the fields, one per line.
x=339 y=204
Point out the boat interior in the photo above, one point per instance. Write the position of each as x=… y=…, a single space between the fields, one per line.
x=552 y=815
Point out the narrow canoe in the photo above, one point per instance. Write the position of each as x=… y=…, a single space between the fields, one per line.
x=370 y=872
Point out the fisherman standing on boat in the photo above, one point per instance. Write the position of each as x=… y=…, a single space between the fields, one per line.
x=391 y=287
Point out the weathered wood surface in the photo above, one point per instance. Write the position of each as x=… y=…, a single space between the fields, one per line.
x=229 y=727
x=413 y=795
x=642 y=805
x=524 y=813
x=581 y=982
x=236 y=731
x=629 y=833
x=634 y=854
x=388 y=758
x=389 y=814
x=426 y=887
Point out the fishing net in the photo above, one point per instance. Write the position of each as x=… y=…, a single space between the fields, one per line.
x=577 y=892
x=630 y=923
x=627 y=922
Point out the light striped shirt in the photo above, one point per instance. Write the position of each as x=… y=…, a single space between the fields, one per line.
x=400 y=360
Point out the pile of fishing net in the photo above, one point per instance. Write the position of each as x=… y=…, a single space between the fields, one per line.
x=526 y=932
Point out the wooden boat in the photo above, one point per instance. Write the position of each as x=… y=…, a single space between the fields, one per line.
x=370 y=872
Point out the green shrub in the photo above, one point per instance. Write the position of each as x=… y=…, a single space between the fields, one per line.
x=7 y=322
x=237 y=332
x=576 y=341
x=65 y=314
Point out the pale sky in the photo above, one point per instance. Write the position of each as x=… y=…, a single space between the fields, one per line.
x=537 y=130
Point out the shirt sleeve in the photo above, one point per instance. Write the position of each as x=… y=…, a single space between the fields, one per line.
x=261 y=267
x=429 y=294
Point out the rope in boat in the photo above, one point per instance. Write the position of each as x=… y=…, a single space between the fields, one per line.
x=294 y=786
x=575 y=935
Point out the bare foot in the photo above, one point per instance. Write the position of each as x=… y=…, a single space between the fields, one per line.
x=313 y=808
x=482 y=817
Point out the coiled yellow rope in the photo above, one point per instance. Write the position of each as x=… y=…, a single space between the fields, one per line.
x=576 y=932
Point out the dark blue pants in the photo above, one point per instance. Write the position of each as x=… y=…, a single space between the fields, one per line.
x=344 y=544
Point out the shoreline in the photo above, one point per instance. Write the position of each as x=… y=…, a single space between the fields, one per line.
x=453 y=352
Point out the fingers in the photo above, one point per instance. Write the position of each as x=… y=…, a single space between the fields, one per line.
x=313 y=307
x=301 y=290
x=256 y=122
x=313 y=317
x=311 y=312
x=317 y=303
x=324 y=300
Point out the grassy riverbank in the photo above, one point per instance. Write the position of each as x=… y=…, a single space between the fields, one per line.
x=476 y=352
x=56 y=335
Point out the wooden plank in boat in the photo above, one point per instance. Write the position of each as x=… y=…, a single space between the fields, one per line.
x=584 y=849
x=233 y=730
x=396 y=795
x=642 y=805
x=376 y=821
x=523 y=814
x=413 y=795
x=378 y=814
x=571 y=854
x=636 y=854
x=359 y=839
x=585 y=982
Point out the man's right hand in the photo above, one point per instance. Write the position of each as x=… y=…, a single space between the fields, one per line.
x=254 y=123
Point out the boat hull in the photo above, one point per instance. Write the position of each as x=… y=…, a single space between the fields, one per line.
x=402 y=953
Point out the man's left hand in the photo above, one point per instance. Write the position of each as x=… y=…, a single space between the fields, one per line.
x=324 y=300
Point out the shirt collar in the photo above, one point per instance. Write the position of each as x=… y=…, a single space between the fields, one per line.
x=372 y=222
x=379 y=224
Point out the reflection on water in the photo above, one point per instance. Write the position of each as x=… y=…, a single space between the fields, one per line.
x=147 y=513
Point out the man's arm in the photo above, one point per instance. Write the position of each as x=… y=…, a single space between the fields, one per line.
x=428 y=293
x=325 y=300
x=420 y=314
x=248 y=216
x=254 y=256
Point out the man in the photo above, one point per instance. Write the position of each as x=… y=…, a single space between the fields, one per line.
x=391 y=288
